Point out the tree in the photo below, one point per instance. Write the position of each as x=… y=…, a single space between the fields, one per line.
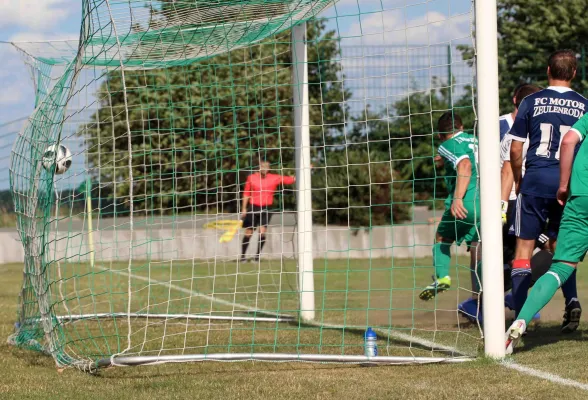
x=530 y=30
x=357 y=187
x=197 y=129
x=408 y=137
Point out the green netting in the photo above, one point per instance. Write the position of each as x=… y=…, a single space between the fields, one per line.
x=168 y=107
x=155 y=34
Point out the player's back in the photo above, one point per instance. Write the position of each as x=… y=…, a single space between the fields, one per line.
x=462 y=145
x=545 y=117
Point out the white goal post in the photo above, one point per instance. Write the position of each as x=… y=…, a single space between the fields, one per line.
x=488 y=126
x=303 y=166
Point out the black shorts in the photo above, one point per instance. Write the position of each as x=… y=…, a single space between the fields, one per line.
x=256 y=216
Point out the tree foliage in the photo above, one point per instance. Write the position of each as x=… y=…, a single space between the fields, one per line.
x=386 y=164
x=530 y=30
x=197 y=130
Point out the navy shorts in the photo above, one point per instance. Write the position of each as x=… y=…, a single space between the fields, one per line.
x=534 y=213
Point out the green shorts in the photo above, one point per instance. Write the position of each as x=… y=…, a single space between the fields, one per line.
x=461 y=230
x=572 y=240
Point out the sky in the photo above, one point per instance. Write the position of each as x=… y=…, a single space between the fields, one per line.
x=359 y=23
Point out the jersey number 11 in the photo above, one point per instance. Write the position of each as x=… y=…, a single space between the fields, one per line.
x=544 y=149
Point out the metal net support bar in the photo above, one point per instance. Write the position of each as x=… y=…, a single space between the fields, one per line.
x=319 y=358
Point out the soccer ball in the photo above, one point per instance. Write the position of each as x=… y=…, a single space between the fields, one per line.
x=58 y=156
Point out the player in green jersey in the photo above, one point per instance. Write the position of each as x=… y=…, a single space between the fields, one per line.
x=572 y=243
x=460 y=221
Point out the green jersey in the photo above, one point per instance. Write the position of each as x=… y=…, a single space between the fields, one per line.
x=461 y=146
x=579 y=178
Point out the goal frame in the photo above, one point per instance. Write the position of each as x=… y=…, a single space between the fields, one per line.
x=492 y=274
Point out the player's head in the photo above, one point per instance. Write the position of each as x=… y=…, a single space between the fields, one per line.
x=264 y=168
x=448 y=124
x=562 y=66
x=522 y=91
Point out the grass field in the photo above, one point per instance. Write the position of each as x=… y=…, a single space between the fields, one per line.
x=356 y=292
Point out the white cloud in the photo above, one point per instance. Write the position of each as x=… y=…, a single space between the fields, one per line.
x=393 y=28
x=36 y=15
x=41 y=37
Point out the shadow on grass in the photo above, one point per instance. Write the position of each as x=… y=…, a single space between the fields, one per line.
x=544 y=335
x=242 y=368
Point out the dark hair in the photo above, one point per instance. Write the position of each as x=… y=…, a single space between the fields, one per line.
x=562 y=65
x=518 y=88
x=449 y=123
x=523 y=91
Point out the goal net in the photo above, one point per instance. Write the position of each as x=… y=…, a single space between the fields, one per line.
x=134 y=253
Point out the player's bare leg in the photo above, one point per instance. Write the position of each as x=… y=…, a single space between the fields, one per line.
x=441 y=262
x=476 y=268
x=245 y=244
x=261 y=241
x=471 y=308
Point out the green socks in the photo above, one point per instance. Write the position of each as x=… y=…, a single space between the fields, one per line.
x=544 y=290
x=441 y=259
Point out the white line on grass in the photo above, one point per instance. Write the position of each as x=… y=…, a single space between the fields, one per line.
x=398 y=335
x=192 y=292
x=544 y=375
x=392 y=333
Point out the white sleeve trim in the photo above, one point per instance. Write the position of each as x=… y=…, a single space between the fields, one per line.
x=518 y=139
x=460 y=159
x=445 y=153
x=577 y=133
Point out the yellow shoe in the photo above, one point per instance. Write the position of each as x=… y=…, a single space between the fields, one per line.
x=440 y=285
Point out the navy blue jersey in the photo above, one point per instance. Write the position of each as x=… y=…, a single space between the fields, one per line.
x=505 y=125
x=545 y=117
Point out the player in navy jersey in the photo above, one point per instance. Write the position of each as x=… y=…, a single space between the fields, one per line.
x=470 y=308
x=543 y=118
x=507 y=120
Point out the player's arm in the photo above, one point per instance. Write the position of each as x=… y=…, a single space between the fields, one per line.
x=246 y=196
x=506 y=181
x=516 y=162
x=463 y=167
x=506 y=175
x=566 y=156
x=287 y=180
x=519 y=135
x=464 y=174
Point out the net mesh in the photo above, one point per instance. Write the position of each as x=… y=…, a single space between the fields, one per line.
x=167 y=108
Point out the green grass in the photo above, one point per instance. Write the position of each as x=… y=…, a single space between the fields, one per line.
x=358 y=292
x=352 y=294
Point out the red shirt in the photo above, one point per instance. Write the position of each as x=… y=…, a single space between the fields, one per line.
x=261 y=190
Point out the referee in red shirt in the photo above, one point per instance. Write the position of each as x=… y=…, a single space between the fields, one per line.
x=257 y=197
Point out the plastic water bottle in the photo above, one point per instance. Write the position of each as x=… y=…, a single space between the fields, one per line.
x=371 y=343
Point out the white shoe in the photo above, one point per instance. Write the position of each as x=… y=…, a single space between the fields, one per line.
x=514 y=334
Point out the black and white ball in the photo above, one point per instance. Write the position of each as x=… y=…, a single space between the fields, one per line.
x=58 y=157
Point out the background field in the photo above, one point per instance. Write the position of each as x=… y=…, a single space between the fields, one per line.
x=30 y=375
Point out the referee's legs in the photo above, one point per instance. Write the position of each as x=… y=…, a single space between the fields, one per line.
x=245 y=244
x=261 y=242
